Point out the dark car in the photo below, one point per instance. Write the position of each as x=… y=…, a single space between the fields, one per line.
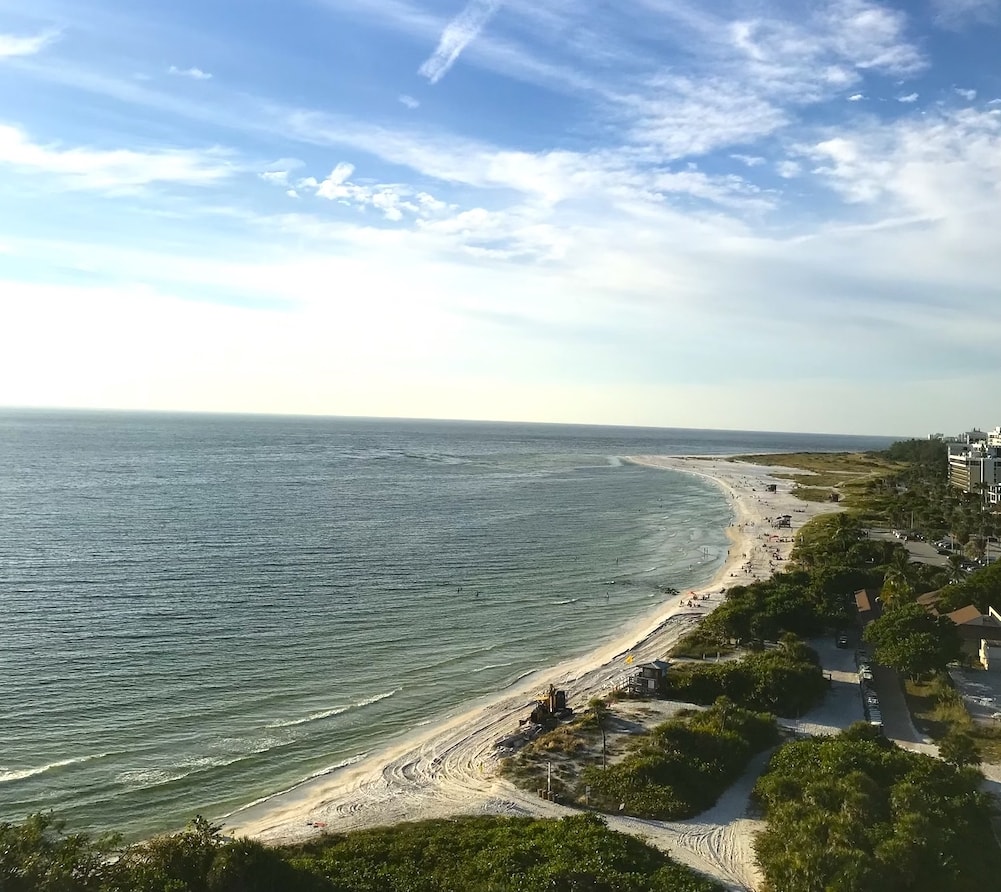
x=842 y=641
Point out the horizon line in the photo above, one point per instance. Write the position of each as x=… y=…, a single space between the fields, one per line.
x=404 y=418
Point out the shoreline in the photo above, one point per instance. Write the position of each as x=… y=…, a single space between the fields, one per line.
x=450 y=768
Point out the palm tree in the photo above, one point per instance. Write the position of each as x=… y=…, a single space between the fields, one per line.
x=954 y=569
x=898 y=581
x=600 y=715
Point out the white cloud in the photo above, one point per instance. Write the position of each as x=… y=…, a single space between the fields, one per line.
x=458 y=34
x=969 y=95
x=856 y=97
x=333 y=186
x=910 y=97
x=941 y=167
x=749 y=160
x=694 y=117
x=193 y=73
x=788 y=169
x=278 y=177
x=393 y=201
x=112 y=169
x=409 y=101
x=13 y=45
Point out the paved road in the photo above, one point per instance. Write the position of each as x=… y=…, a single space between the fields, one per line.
x=924 y=553
x=897 y=724
x=921 y=552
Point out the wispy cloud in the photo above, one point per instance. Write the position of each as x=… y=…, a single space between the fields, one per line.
x=957 y=14
x=394 y=201
x=409 y=101
x=458 y=34
x=13 y=45
x=856 y=97
x=910 y=97
x=968 y=95
x=194 y=73
x=111 y=170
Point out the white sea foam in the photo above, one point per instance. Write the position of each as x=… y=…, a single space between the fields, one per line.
x=492 y=666
x=370 y=700
x=8 y=775
x=330 y=713
x=312 y=717
x=567 y=601
x=344 y=763
x=141 y=778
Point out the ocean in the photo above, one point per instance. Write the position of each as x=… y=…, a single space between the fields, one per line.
x=197 y=612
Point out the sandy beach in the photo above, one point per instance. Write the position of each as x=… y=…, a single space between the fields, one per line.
x=451 y=768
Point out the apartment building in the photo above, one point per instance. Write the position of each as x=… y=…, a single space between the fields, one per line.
x=976 y=467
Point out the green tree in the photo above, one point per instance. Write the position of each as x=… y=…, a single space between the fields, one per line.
x=909 y=639
x=39 y=856
x=975 y=548
x=959 y=748
x=600 y=715
x=954 y=568
x=898 y=583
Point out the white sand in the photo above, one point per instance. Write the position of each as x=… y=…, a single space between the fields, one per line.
x=451 y=769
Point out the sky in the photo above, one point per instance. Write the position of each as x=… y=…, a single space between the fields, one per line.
x=741 y=215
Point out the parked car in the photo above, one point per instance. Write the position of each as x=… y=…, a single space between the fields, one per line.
x=842 y=640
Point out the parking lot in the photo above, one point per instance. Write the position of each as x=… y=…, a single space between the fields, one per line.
x=843 y=704
x=927 y=553
x=981 y=693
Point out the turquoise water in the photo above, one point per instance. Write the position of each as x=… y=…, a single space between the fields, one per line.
x=200 y=611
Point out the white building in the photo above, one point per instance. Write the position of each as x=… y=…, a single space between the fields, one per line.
x=975 y=467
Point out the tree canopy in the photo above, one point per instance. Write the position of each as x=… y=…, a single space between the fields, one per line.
x=478 y=854
x=855 y=813
x=911 y=640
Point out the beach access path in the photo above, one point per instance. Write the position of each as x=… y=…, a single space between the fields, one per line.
x=451 y=768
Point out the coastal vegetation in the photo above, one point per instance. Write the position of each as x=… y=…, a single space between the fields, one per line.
x=676 y=769
x=913 y=641
x=682 y=766
x=786 y=680
x=832 y=559
x=821 y=473
x=478 y=854
x=982 y=589
x=856 y=812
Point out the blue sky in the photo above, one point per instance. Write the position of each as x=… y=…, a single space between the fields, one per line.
x=752 y=215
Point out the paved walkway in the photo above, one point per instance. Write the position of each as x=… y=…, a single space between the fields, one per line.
x=897 y=724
